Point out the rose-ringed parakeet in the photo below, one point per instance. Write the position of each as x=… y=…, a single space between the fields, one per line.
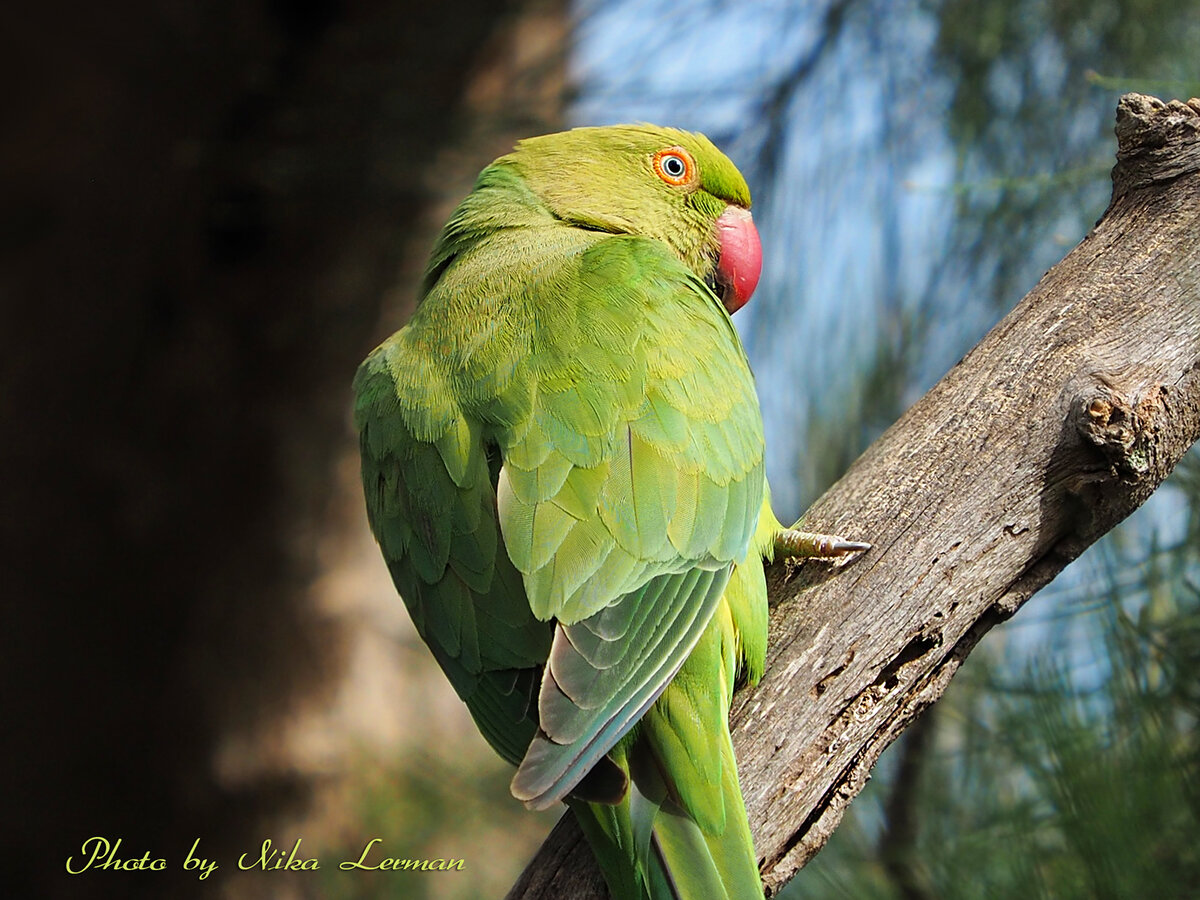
x=563 y=465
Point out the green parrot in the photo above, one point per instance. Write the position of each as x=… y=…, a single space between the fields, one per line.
x=562 y=457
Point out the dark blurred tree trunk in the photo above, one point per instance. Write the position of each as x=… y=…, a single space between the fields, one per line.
x=201 y=206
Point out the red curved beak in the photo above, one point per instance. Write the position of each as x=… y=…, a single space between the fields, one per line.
x=740 y=262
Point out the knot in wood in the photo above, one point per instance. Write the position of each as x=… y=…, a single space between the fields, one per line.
x=1108 y=424
x=1120 y=428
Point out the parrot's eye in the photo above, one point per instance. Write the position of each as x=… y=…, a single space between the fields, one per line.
x=675 y=166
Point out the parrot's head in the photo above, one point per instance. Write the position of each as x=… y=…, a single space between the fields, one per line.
x=661 y=183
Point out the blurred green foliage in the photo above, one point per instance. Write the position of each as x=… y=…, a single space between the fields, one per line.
x=429 y=806
x=1030 y=120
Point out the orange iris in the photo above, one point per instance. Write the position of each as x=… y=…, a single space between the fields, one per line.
x=675 y=165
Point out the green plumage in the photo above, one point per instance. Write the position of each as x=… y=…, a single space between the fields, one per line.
x=563 y=466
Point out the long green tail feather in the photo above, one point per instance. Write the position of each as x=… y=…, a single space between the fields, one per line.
x=650 y=849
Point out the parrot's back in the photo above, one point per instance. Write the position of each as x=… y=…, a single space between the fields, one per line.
x=563 y=466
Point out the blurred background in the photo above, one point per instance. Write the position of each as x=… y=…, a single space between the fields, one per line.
x=210 y=212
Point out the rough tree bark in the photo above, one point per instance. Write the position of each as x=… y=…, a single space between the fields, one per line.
x=1061 y=422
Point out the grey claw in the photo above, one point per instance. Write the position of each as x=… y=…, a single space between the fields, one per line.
x=850 y=546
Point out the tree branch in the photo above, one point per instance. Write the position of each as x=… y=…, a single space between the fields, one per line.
x=1061 y=422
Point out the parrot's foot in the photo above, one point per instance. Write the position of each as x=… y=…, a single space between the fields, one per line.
x=803 y=544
